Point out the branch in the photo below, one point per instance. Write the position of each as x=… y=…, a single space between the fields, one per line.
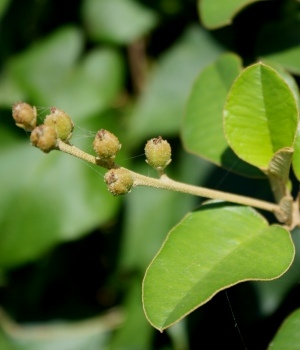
x=164 y=182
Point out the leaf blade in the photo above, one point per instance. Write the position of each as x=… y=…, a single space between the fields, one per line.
x=260 y=115
x=202 y=256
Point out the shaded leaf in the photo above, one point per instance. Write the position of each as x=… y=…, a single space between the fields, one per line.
x=202 y=129
x=46 y=199
x=43 y=67
x=117 y=21
x=202 y=255
x=279 y=43
x=135 y=332
x=288 y=336
x=161 y=106
x=3 y=6
x=92 y=87
x=271 y=294
x=218 y=13
x=79 y=87
x=89 y=334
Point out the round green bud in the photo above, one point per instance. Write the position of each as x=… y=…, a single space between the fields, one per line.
x=158 y=153
x=106 y=144
x=62 y=123
x=44 y=137
x=24 y=116
x=119 y=181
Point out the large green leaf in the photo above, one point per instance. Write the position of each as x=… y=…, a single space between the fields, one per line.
x=118 y=21
x=260 y=115
x=216 y=247
x=160 y=108
x=202 y=130
x=218 y=13
x=288 y=335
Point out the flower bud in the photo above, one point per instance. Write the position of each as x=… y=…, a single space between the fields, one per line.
x=106 y=145
x=158 y=153
x=119 y=181
x=24 y=116
x=44 y=137
x=62 y=123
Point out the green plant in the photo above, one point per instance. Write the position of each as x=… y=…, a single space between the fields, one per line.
x=208 y=251
x=244 y=120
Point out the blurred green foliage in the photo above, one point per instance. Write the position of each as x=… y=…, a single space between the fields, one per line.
x=72 y=257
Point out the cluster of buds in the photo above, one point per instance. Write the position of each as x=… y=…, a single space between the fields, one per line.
x=57 y=126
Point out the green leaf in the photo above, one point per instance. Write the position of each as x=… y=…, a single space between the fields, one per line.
x=289 y=79
x=117 y=21
x=51 y=79
x=288 y=336
x=161 y=106
x=92 y=334
x=10 y=91
x=202 y=129
x=43 y=67
x=3 y=6
x=209 y=250
x=260 y=115
x=135 y=332
x=46 y=199
x=279 y=43
x=218 y=13
x=92 y=87
x=270 y=295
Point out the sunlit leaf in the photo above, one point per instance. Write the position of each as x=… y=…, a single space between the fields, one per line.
x=209 y=250
x=260 y=115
